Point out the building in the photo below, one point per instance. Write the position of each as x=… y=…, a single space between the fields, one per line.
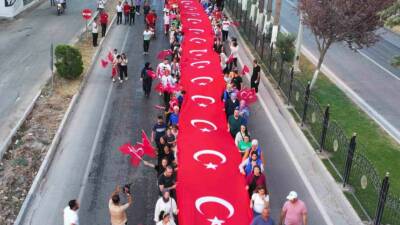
x=11 y=8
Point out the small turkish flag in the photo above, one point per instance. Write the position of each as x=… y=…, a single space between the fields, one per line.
x=247 y=94
x=135 y=152
x=151 y=74
x=230 y=59
x=110 y=57
x=104 y=63
x=245 y=70
x=164 y=53
x=147 y=147
x=159 y=88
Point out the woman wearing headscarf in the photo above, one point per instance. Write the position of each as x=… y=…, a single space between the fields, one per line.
x=165 y=205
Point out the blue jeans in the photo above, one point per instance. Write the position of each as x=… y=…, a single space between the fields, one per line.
x=255 y=214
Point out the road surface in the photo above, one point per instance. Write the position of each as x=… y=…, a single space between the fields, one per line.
x=25 y=55
x=367 y=73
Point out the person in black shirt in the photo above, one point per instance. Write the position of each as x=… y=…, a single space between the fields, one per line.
x=160 y=168
x=132 y=13
x=158 y=132
x=166 y=153
x=237 y=80
x=230 y=105
x=217 y=46
x=167 y=181
x=255 y=77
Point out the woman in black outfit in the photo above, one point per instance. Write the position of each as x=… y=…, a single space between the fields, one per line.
x=146 y=79
x=255 y=77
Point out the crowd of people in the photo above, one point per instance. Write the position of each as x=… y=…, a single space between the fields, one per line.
x=166 y=127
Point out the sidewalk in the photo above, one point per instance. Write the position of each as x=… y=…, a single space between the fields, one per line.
x=320 y=186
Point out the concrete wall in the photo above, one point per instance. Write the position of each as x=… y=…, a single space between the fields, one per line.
x=11 y=8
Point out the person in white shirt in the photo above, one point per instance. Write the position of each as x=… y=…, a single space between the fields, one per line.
x=147 y=34
x=167 y=204
x=95 y=32
x=259 y=200
x=225 y=28
x=166 y=21
x=100 y=5
x=165 y=219
x=234 y=53
x=71 y=213
x=119 y=12
x=163 y=68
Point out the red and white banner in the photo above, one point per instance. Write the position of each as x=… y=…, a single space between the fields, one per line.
x=210 y=189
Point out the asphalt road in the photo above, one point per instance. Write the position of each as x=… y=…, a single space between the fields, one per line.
x=367 y=73
x=25 y=55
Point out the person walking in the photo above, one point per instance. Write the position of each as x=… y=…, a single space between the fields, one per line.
x=118 y=63
x=117 y=210
x=167 y=181
x=137 y=6
x=259 y=201
x=255 y=179
x=167 y=205
x=146 y=10
x=95 y=32
x=165 y=219
x=255 y=77
x=158 y=131
x=119 y=12
x=294 y=211
x=123 y=74
x=71 y=213
x=234 y=122
x=114 y=68
x=100 y=5
x=103 y=22
x=247 y=166
x=132 y=13
x=225 y=29
x=147 y=33
x=264 y=218
x=127 y=10
x=146 y=79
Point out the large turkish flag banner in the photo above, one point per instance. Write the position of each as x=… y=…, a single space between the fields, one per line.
x=210 y=189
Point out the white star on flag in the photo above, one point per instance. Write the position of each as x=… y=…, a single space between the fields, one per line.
x=216 y=221
x=211 y=166
x=205 y=130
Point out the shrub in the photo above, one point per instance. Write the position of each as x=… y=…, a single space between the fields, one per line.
x=285 y=46
x=69 y=62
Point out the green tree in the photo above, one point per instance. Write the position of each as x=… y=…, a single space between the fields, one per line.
x=285 y=46
x=391 y=15
x=69 y=62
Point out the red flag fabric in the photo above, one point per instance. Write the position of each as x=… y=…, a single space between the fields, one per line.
x=164 y=53
x=230 y=59
x=103 y=63
x=247 y=94
x=147 y=147
x=110 y=57
x=245 y=70
x=135 y=152
x=151 y=74
x=236 y=23
x=210 y=157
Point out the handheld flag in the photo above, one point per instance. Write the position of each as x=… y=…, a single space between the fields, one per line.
x=245 y=70
x=104 y=63
x=147 y=147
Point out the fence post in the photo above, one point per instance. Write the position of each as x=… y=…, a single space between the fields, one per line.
x=290 y=85
x=324 y=129
x=256 y=37
x=262 y=46
x=349 y=160
x=382 y=200
x=306 y=99
x=280 y=73
x=245 y=21
x=270 y=57
x=241 y=11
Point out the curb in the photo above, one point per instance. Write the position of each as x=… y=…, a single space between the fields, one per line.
x=4 y=146
x=58 y=136
x=289 y=118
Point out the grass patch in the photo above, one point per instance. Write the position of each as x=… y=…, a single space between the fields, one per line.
x=380 y=148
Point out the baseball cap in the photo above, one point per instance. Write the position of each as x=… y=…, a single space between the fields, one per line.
x=292 y=195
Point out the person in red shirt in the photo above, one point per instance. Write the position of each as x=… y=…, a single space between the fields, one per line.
x=103 y=22
x=151 y=20
x=127 y=10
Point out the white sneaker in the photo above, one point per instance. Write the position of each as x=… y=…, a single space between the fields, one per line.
x=126 y=78
x=113 y=79
x=120 y=81
x=137 y=13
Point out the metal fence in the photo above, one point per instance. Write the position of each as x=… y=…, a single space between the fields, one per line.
x=345 y=158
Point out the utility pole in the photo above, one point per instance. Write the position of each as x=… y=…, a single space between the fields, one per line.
x=299 y=40
x=275 y=28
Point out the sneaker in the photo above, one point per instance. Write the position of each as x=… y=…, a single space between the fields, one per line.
x=120 y=81
x=113 y=79
x=126 y=78
x=144 y=53
x=137 y=13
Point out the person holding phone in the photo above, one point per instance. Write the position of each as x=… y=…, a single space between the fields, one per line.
x=118 y=210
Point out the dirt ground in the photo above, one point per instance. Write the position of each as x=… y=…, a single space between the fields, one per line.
x=24 y=157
